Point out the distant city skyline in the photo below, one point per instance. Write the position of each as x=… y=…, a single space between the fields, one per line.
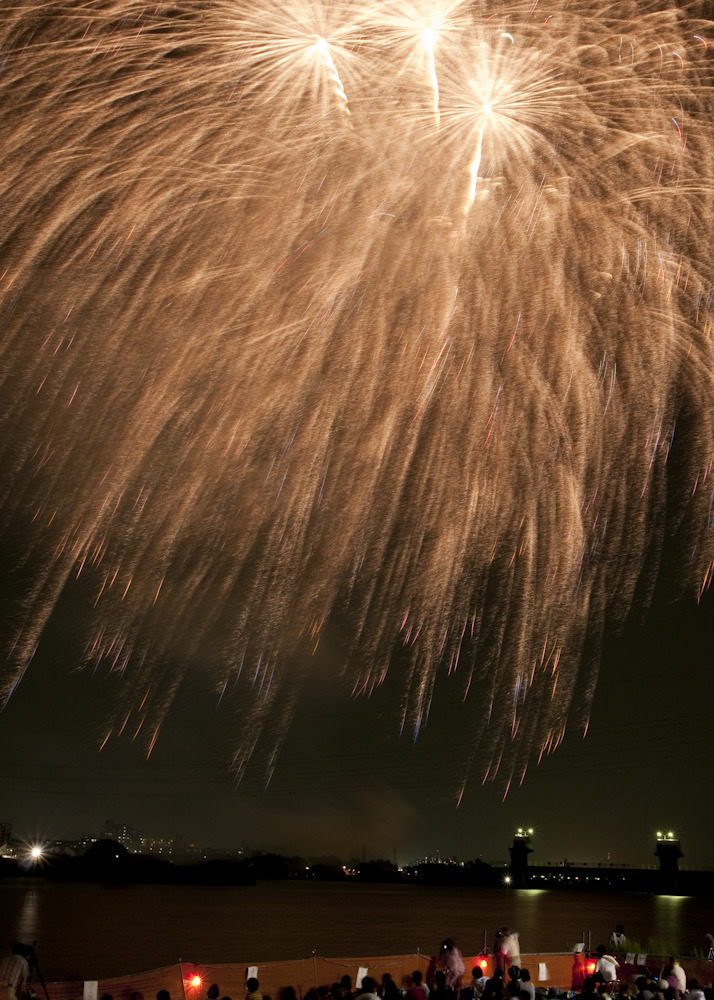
x=177 y=846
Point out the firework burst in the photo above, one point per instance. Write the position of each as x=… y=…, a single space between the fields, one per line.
x=372 y=315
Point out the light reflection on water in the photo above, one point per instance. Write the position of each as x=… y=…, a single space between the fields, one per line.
x=29 y=916
x=92 y=931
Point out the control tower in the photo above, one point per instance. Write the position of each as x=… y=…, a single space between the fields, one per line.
x=519 y=852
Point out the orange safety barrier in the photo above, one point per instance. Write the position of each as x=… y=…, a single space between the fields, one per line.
x=121 y=988
x=191 y=982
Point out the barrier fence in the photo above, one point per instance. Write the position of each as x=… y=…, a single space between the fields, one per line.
x=189 y=981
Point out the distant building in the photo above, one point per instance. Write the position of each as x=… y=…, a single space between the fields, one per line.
x=5 y=836
x=124 y=834
x=669 y=851
x=158 y=847
x=72 y=848
x=519 y=851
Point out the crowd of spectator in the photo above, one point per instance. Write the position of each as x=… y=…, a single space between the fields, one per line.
x=594 y=977
x=509 y=983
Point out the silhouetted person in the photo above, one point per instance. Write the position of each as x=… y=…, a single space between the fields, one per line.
x=253 y=987
x=440 y=991
x=589 y=989
x=369 y=989
x=389 y=989
x=14 y=971
x=417 y=990
x=478 y=980
x=526 y=984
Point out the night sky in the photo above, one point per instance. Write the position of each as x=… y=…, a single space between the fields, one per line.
x=348 y=785
x=125 y=261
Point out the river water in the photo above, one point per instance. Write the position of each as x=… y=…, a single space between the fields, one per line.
x=94 y=931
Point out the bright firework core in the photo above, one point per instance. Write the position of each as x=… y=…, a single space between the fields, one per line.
x=366 y=322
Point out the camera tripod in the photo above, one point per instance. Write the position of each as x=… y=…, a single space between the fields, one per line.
x=34 y=967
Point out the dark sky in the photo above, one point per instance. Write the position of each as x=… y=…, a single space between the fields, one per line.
x=347 y=784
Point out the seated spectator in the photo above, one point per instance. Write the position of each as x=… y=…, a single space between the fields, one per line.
x=495 y=990
x=418 y=980
x=253 y=987
x=644 y=988
x=389 y=989
x=495 y=987
x=589 y=989
x=369 y=989
x=440 y=991
x=478 y=981
x=669 y=980
x=526 y=984
x=418 y=989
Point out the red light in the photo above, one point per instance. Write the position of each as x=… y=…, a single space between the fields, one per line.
x=484 y=964
x=591 y=966
x=196 y=981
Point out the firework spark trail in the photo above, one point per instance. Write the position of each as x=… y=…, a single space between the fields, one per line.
x=262 y=375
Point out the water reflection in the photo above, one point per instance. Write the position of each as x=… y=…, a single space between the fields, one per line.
x=283 y=921
x=668 y=912
x=28 y=921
